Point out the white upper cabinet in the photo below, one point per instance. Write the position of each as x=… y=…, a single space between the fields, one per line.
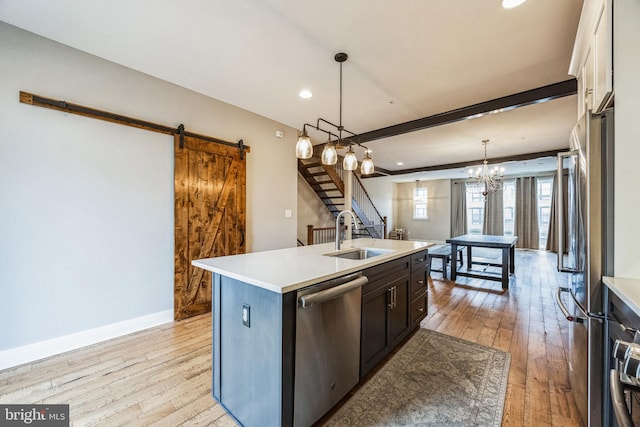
x=592 y=59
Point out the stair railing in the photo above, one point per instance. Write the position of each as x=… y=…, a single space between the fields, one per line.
x=322 y=234
x=362 y=205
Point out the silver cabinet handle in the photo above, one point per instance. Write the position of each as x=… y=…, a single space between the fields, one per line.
x=617 y=399
x=395 y=293
x=334 y=292
x=392 y=296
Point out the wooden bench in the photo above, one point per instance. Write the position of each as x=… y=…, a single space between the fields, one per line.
x=443 y=252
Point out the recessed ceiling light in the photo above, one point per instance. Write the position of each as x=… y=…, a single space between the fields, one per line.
x=305 y=94
x=510 y=4
x=400 y=163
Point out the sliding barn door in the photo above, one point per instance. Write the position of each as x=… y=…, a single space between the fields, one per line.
x=210 y=217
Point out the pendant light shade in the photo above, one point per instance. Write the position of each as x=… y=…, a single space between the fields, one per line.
x=367 y=167
x=350 y=162
x=329 y=154
x=304 y=148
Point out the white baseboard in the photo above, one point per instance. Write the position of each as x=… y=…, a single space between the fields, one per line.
x=39 y=350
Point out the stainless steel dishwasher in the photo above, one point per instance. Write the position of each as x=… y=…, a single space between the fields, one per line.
x=327 y=353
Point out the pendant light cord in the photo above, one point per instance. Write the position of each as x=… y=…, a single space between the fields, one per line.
x=340 y=122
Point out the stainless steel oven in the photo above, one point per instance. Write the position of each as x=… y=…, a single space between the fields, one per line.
x=624 y=363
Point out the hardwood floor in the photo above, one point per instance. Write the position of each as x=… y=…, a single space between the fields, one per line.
x=523 y=321
x=162 y=376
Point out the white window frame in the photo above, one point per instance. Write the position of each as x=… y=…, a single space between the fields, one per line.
x=420 y=195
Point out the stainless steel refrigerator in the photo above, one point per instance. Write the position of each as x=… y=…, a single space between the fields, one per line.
x=585 y=250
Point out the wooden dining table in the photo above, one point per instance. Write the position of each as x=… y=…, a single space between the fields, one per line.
x=506 y=244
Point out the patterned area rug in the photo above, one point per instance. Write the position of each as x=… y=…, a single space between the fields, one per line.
x=433 y=380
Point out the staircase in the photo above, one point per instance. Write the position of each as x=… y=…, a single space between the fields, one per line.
x=327 y=182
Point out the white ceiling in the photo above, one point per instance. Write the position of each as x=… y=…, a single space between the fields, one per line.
x=408 y=59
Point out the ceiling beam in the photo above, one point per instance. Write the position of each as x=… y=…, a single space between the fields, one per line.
x=517 y=158
x=510 y=102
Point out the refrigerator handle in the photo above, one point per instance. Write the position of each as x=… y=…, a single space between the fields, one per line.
x=560 y=211
x=564 y=310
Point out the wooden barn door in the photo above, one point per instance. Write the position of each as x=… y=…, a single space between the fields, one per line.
x=210 y=219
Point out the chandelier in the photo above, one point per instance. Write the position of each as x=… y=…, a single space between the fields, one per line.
x=304 y=148
x=483 y=180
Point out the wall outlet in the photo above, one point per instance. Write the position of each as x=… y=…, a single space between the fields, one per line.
x=246 y=315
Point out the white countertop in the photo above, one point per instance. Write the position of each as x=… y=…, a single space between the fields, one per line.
x=628 y=290
x=286 y=270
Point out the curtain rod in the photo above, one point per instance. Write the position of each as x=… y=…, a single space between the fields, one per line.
x=40 y=101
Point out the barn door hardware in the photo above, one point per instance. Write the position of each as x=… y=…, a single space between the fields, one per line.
x=40 y=101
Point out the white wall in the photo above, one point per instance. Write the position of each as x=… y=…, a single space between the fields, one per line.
x=438 y=226
x=626 y=64
x=311 y=210
x=382 y=193
x=86 y=214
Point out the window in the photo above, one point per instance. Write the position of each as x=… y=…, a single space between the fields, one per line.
x=509 y=205
x=475 y=209
x=475 y=212
x=420 y=203
x=545 y=191
x=476 y=216
x=545 y=213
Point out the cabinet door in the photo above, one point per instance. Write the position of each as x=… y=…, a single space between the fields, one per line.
x=603 y=58
x=399 y=313
x=374 y=340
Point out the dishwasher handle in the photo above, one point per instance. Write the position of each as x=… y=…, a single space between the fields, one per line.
x=308 y=300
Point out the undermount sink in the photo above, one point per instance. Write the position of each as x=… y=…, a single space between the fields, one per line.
x=360 y=253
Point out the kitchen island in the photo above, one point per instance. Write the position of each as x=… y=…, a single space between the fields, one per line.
x=260 y=366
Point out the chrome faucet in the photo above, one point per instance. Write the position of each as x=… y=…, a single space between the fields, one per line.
x=338 y=226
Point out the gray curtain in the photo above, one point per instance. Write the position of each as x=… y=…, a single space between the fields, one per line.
x=526 y=215
x=458 y=208
x=493 y=223
x=552 y=237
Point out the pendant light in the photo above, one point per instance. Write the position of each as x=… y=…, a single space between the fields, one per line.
x=304 y=149
x=367 y=167
x=350 y=162
x=329 y=154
